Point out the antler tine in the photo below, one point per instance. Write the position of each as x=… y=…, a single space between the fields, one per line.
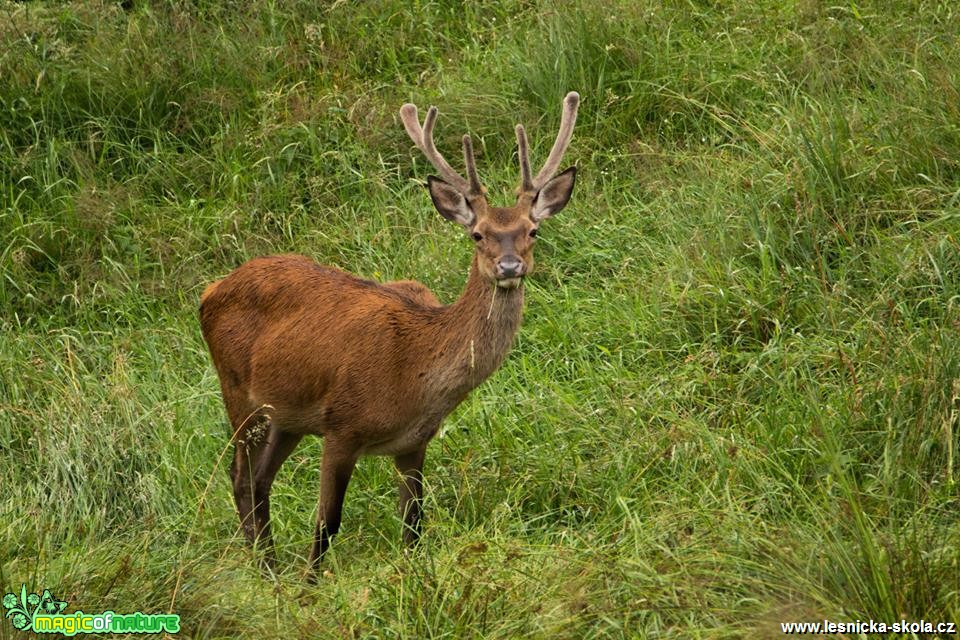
x=570 y=104
x=411 y=122
x=471 y=164
x=423 y=138
x=526 y=183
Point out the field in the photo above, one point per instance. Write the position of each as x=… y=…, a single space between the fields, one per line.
x=735 y=398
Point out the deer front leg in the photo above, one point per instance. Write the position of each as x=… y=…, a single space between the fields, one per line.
x=336 y=469
x=410 y=466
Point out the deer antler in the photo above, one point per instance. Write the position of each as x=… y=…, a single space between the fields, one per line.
x=569 y=117
x=423 y=138
x=526 y=182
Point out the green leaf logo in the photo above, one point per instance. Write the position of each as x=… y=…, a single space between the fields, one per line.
x=21 y=610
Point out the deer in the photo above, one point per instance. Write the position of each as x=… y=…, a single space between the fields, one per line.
x=372 y=368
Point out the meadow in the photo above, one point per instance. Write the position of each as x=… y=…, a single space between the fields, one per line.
x=735 y=398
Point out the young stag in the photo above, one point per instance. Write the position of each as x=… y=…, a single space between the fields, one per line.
x=373 y=368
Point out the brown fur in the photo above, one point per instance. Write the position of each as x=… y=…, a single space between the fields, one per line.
x=335 y=355
x=372 y=368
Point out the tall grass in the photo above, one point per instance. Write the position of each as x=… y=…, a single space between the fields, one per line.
x=734 y=400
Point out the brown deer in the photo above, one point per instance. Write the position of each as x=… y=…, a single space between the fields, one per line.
x=372 y=368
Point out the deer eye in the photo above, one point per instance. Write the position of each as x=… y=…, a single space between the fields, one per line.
x=533 y=233
x=477 y=237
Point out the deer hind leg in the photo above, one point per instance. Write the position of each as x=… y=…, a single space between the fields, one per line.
x=278 y=448
x=410 y=466
x=337 y=468
x=249 y=441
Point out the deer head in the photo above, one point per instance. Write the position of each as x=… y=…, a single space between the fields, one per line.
x=504 y=236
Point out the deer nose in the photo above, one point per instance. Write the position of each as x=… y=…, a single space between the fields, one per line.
x=509 y=267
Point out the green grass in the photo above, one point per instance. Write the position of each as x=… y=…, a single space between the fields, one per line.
x=734 y=401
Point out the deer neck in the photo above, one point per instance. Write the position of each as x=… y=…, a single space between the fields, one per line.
x=475 y=333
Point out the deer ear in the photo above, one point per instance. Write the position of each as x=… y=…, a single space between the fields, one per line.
x=450 y=202
x=554 y=195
